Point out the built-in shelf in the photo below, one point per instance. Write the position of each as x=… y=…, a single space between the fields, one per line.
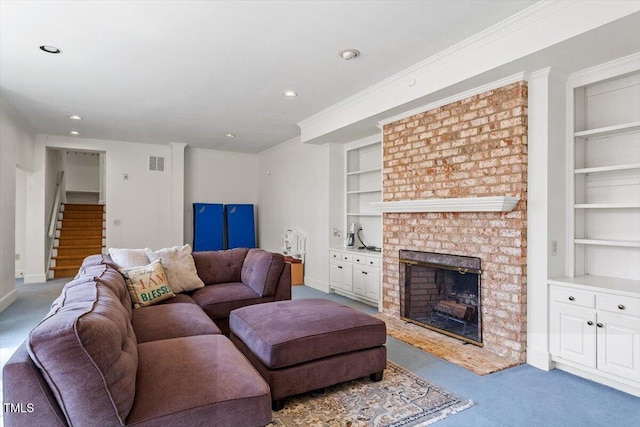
x=363 y=191
x=608 y=130
x=614 y=168
x=364 y=171
x=600 y=242
x=607 y=205
x=463 y=204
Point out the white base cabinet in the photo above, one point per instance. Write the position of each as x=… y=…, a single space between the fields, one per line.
x=596 y=331
x=355 y=274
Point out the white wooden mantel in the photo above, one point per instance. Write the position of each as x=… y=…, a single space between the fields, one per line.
x=463 y=204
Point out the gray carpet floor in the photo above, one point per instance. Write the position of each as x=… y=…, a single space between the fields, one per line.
x=520 y=396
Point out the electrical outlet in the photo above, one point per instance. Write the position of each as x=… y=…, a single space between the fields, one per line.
x=17 y=257
x=554 y=247
x=126 y=177
x=117 y=222
x=336 y=233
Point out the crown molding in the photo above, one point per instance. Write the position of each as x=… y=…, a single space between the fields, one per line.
x=497 y=31
x=544 y=24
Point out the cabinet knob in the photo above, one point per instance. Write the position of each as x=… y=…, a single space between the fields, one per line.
x=599 y=325
x=590 y=323
x=340 y=267
x=571 y=298
x=621 y=307
x=357 y=259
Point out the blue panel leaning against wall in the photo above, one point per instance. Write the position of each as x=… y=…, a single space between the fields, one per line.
x=208 y=227
x=241 y=232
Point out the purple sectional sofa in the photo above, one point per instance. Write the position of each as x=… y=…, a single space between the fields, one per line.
x=93 y=360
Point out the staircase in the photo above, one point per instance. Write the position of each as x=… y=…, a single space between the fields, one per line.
x=79 y=234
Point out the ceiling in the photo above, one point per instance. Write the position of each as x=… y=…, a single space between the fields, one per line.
x=191 y=72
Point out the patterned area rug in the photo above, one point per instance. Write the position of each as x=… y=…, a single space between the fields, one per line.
x=400 y=399
x=474 y=358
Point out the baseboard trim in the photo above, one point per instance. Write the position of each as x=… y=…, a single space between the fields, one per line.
x=540 y=359
x=316 y=284
x=35 y=278
x=8 y=299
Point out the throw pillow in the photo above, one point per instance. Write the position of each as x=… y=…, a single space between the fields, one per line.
x=127 y=258
x=179 y=266
x=147 y=284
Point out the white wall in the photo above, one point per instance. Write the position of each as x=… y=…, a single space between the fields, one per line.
x=82 y=171
x=142 y=203
x=16 y=142
x=21 y=206
x=218 y=177
x=293 y=192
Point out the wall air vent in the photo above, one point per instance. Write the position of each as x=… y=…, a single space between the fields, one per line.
x=156 y=163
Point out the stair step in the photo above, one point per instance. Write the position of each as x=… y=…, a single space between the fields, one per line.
x=64 y=271
x=68 y=261
x=82 y=215
x=82 y=207
x=80 y=223
x=83 y=251
x=65 y=241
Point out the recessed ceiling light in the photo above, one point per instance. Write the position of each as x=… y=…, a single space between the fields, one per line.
x=230 y=135
x=74 y=132
x=50 y=49
x=289 y=94
x=75 y=117
x=348 y=54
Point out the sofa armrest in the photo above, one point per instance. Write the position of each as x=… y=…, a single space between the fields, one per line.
x=31 y=401
x=283 y=289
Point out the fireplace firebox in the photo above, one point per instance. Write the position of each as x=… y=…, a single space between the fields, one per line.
x=442 y=292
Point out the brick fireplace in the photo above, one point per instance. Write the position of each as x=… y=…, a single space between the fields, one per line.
x=473 y=148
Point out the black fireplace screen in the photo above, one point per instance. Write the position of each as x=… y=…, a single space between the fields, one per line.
x=442 y=292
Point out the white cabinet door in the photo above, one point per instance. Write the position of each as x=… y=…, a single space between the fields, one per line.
x=373 y=284
x=340 y=276
x=573 y=334
x=360 y=280
x=619 y=346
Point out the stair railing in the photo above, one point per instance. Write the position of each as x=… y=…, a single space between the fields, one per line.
x=53 y=221
x=56 y=205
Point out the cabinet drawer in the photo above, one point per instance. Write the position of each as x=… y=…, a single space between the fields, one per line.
x=335 y=255
x=573 y=297
x=346 y=257
x=619 y=304
x=373 y=261
x=360 y=259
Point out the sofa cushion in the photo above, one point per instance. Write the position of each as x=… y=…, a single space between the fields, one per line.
x=287 y=333
x=198 y=381
x=218 y=301
x=127 y=258
x=148 y=284
x=179 y=267
x=220 y=266
x=86 y=350
x=164 y=321
x=261 y=271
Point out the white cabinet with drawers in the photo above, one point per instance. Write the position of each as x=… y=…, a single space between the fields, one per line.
x=595 y=331
x=355 y=274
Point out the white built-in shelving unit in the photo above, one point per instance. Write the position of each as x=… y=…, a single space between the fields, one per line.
x=363 y=185
x=595 y=310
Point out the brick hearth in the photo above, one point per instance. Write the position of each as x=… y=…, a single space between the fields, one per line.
x=475 y=147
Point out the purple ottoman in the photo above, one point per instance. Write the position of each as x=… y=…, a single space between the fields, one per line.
x=303 y=345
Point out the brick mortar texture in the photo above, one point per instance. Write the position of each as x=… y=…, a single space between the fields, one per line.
x=475 y=147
